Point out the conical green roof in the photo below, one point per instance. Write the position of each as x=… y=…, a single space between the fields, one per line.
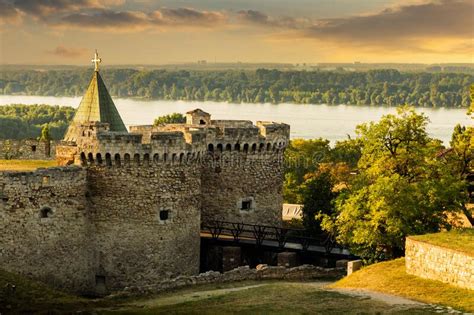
x=96 y=105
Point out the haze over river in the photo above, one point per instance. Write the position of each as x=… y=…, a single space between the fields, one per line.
x=307 y=121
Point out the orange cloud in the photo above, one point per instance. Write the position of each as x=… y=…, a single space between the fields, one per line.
x=65 y=52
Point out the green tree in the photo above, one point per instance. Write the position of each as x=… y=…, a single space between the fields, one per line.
x=174 y=118
x=45 y=134
x=402 y=188
x=318 y=200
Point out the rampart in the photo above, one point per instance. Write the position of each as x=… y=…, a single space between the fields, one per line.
x=45 y=227
x=439 y=263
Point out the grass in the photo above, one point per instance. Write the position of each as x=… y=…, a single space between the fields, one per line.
x=33 y=297
x=25 y=165
x=390 y=277
x=457 y=239
x=273 y=298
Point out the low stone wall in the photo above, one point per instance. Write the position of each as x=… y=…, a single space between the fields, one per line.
x=438 y=263
x=262 y=272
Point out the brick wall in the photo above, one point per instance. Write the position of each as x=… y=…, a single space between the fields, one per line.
x=438 y=263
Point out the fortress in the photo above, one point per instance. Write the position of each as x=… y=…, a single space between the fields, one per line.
x=125 y=208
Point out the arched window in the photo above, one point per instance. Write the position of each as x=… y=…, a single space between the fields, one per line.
x=136 y=159
x=269 y=146
x=117 y=160
x=90 y=158
x=108 y=159
x=99 y=159
x=189 y=157
x=261 y=147
x=210 y=147
x=181 y=158
x=228 y=147
x=246 y=148
x=254 y=147
x=219 y=147
x=174 y=157
x=237 y=147
x=83 y=158
x=156 y=158
x=126 y=159
x=146 y=159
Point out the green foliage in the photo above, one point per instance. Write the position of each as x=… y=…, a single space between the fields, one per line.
x=302 y=157
x=45 y=134
x=174 y=118
x=318 y=199
x=374 y=87
x=402 y=188
x=19 y=121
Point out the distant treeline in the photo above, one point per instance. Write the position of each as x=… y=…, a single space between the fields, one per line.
x=19 y=121
x=374 y=87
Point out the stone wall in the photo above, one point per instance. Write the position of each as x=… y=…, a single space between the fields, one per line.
x=243 y=187
x=262 y=272
x=439 y=263
x=45 y=227
x=135 y=243
x=28 y=149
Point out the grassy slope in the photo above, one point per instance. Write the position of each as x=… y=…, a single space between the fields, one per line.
x=458 y=239
x=390 y=277
x=33 y=297
x=25 y=165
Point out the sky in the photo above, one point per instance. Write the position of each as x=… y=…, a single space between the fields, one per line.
x=291 y=31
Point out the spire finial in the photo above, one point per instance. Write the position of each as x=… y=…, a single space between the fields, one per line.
x=96 y=61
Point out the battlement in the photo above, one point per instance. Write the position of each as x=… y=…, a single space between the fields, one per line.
x=176 y=143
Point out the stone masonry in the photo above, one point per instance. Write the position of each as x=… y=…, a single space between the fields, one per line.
x=438 y=263
x=27 y=149
x=125 y=208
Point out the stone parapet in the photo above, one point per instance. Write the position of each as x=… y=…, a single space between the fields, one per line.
x=439 y=263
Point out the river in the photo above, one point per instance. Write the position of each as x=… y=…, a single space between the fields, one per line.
x=306 y=121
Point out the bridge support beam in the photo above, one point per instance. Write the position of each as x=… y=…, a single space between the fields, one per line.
x=231 y=257
x=287 y=259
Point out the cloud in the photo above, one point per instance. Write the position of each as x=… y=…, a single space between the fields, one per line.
x=434 y=26
x=136 y=20
x=9 y=14
x=65 y=52
x=43 y=8
x=446 y=18
x=261 y=19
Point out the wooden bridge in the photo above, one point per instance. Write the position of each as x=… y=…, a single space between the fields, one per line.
x=279 y=238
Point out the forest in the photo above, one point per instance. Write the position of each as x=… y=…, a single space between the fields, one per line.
x=375 y=87
x=18 y=121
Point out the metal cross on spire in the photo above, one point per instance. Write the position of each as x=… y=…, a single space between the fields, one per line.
x=96 y=61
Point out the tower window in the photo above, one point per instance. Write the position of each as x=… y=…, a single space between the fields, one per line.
x=164 y=215
x=202 y=122
x=33 y=148
x=246 y=205
x=45 y=212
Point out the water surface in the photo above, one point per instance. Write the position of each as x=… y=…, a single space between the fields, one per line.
x=307 y=121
